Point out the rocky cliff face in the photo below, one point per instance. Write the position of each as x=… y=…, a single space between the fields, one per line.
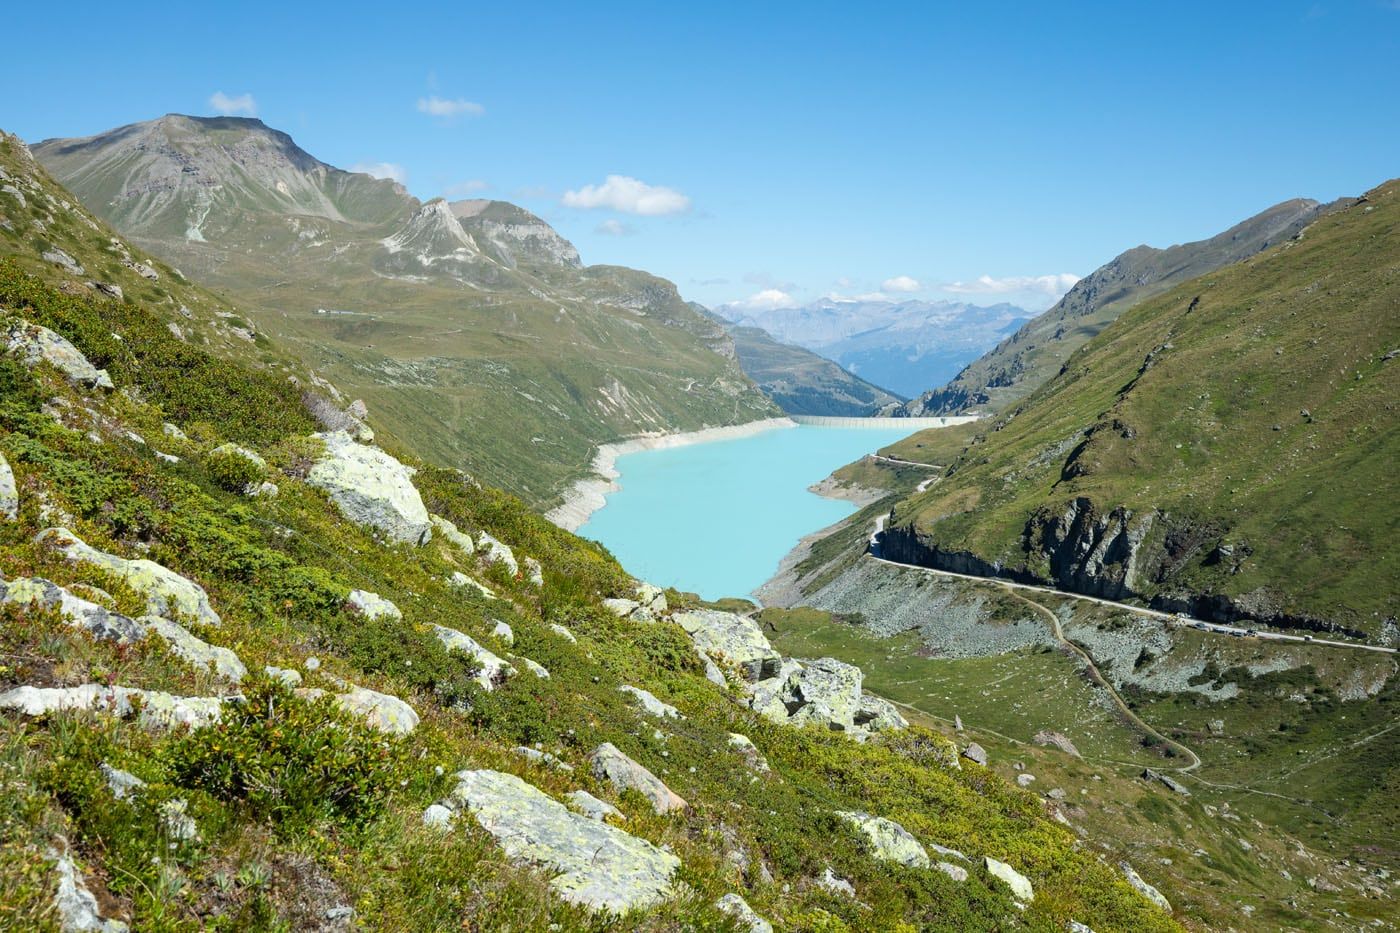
x=1118 y=554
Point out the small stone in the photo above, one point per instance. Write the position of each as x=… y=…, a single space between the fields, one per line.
x=592 y=807
x=610 y=764
x=373 y=606
x=834 y=883
x=888 y=841
x=562 y=632
x=1025 y=780
x=504 y=633
x=650 y=703
x=735 y=906
x=956 y=872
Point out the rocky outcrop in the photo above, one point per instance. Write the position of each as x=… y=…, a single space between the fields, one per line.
x=1170 y=783
x=596 y=865
x=222 y=661
x=729 y=638
x=97 y=621
x=611 y=765
x=167 y=593
x=9 y=493
x=75 y=905
x=371 y=488
x=825 y=692
x=887 y=840
x=153 y=708
x=1056 y=740
x=372 y=605
x=735 y=906
x=1143 y=888
x=492 y=670
x=1091 y=551
x=380 y=711
x=649 y=702
x=591 y=807
x=1019 y=884
x=33 y=345
x=497 y=553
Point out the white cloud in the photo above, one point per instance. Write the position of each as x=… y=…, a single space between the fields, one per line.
x=630 y=196
x=390 y=170
x=900 y=283
x=613 y=227
x=466 y=187
x=223 y=104
x=1052 y=285
x=766 y=300
x=448 y=109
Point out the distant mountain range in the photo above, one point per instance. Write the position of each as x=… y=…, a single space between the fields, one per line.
x=804 y=383
x=904 y=346
x=1035 y=352
x=472 y=329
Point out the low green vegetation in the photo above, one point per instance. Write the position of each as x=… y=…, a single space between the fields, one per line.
x=298 y=808
x=1245 y=423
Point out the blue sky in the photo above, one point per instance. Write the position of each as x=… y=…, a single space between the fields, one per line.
x=787 y=149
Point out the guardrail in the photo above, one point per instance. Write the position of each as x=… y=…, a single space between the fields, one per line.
x=913 y=424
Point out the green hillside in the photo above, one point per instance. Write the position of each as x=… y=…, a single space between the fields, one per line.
x=346 y=723
x=1227 y=447
x=1034 y=353
x=471 y=330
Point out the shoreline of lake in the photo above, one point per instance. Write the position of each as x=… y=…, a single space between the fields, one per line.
x=589 y=494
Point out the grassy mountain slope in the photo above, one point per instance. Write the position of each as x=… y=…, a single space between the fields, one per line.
x=803 y=383
x=1034 y=353
x=470 y=329
x=300 y=810
x=1227 y=447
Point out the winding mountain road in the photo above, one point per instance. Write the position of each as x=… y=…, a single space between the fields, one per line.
x=873 y=552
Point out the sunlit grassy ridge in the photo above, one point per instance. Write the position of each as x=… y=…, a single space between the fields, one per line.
x=1251 y=410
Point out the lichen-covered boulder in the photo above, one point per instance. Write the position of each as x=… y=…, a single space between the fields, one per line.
x=652 y=597
x=887 y=840
x=1019 y=884
x=462 y=580
x=33 y=345
x=96 y=620
x=1143 y=888
x=370 y=488
x=591 y=807
x=452 y=534
x=622 y=608
x=610 y=764
x=735 y=906
x=650 y=703
x=748 y=751
x=372 y=605
x=877 y=714
x=9 y=493
x=379 y=710
x=198 y=652
x=533 y=667
x=157 y=710
x=167 y=593
x=732 y=638
x=497 y=553
x=493 y=670
x=598 y=865
x=827 y=692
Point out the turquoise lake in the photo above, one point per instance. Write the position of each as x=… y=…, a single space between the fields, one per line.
x=716 y=518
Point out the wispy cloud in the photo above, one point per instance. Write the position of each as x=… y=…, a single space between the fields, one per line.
x=614 y=227
x=766 y=300
x=471 y=186
x=1051 y=285
x=227 y=106
x=901 y=283
x=446 y=109
x=629 y=196
x=390 y=170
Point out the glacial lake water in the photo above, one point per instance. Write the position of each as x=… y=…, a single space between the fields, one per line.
x=716 y=518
